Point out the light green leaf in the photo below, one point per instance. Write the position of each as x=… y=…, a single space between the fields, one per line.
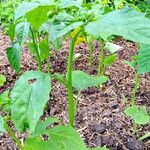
x=131 y=64
x=2 y=80
x=11 y=32
x=14 y=54
x=60 y=138
x=138 y=114
x=144 y=59
x=29 y=95
x=2 y=129
x=25 y=7
x=62 y=24
x=82 y=81
x=69 y=4
x=44 y=49
x=38 y=16
x=109 y=60
x=41 y=126
x=22 y=31
x=127 y=23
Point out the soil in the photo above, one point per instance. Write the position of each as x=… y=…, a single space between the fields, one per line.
x=100 y=119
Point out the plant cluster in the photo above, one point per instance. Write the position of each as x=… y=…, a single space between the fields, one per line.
x=7 y=9
x=42 y=25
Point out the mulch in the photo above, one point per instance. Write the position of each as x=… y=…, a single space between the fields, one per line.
x=100 y=119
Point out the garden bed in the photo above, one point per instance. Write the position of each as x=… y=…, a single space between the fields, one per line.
x=100 y=119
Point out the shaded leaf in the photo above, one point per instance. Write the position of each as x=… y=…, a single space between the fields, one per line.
x=22 y=31
x=69 y=4
x=82 y=81
x=127 y=22
x=23 y=8
x=41 y=126
x=60 y=138
x=13 y=55
x=29 y=95
x=44 y=49
x=38 y=16
x=144 y=59
x=131 y=64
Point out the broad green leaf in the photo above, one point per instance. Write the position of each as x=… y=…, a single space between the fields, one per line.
x=144 y=59
x=41 y=126
x=38 y=16
x=127 y=23
x=11 y=32
x=69 y=4
x=138 y=114
x=2 y=129
x=111 y=47
x=14 y=54
x=25 y=7
x=62 y=24
x=29 y=97
x=44 y=49
x=60 y=138
x=82 y=81
x=22 y=31
x=131 y=64
x=109 y=60
x=2 y=80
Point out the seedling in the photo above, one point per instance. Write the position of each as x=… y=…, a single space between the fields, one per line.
x=28 y=98
x=139 y=115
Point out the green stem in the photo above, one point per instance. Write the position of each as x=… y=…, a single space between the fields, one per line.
x=137 y=81
x=91 y=53
x=37 y=51
x=71 y=108
x=101 y=59
x=12 y=135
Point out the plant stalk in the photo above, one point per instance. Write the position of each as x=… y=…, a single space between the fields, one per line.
x=134 y=91
x=37 y=51
x=101 y=59
x=12 y=135
x=71 y=106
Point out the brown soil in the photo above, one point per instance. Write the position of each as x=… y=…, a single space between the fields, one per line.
x=100 y=119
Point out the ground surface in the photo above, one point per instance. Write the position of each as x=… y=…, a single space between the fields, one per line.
x=100 y=119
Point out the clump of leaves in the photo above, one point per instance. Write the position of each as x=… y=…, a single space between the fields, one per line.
x=139 y=114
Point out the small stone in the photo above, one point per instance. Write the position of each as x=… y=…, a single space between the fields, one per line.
x=113 y=104
x=97 y=141
x=100 y=128
x=107 y=113
x=133 y=144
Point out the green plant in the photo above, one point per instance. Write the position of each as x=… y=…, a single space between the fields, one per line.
x=140 y=65
x=42 y=23
x=139 y=115
x=2 y=79
x=7 y=10
x=29 y=95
